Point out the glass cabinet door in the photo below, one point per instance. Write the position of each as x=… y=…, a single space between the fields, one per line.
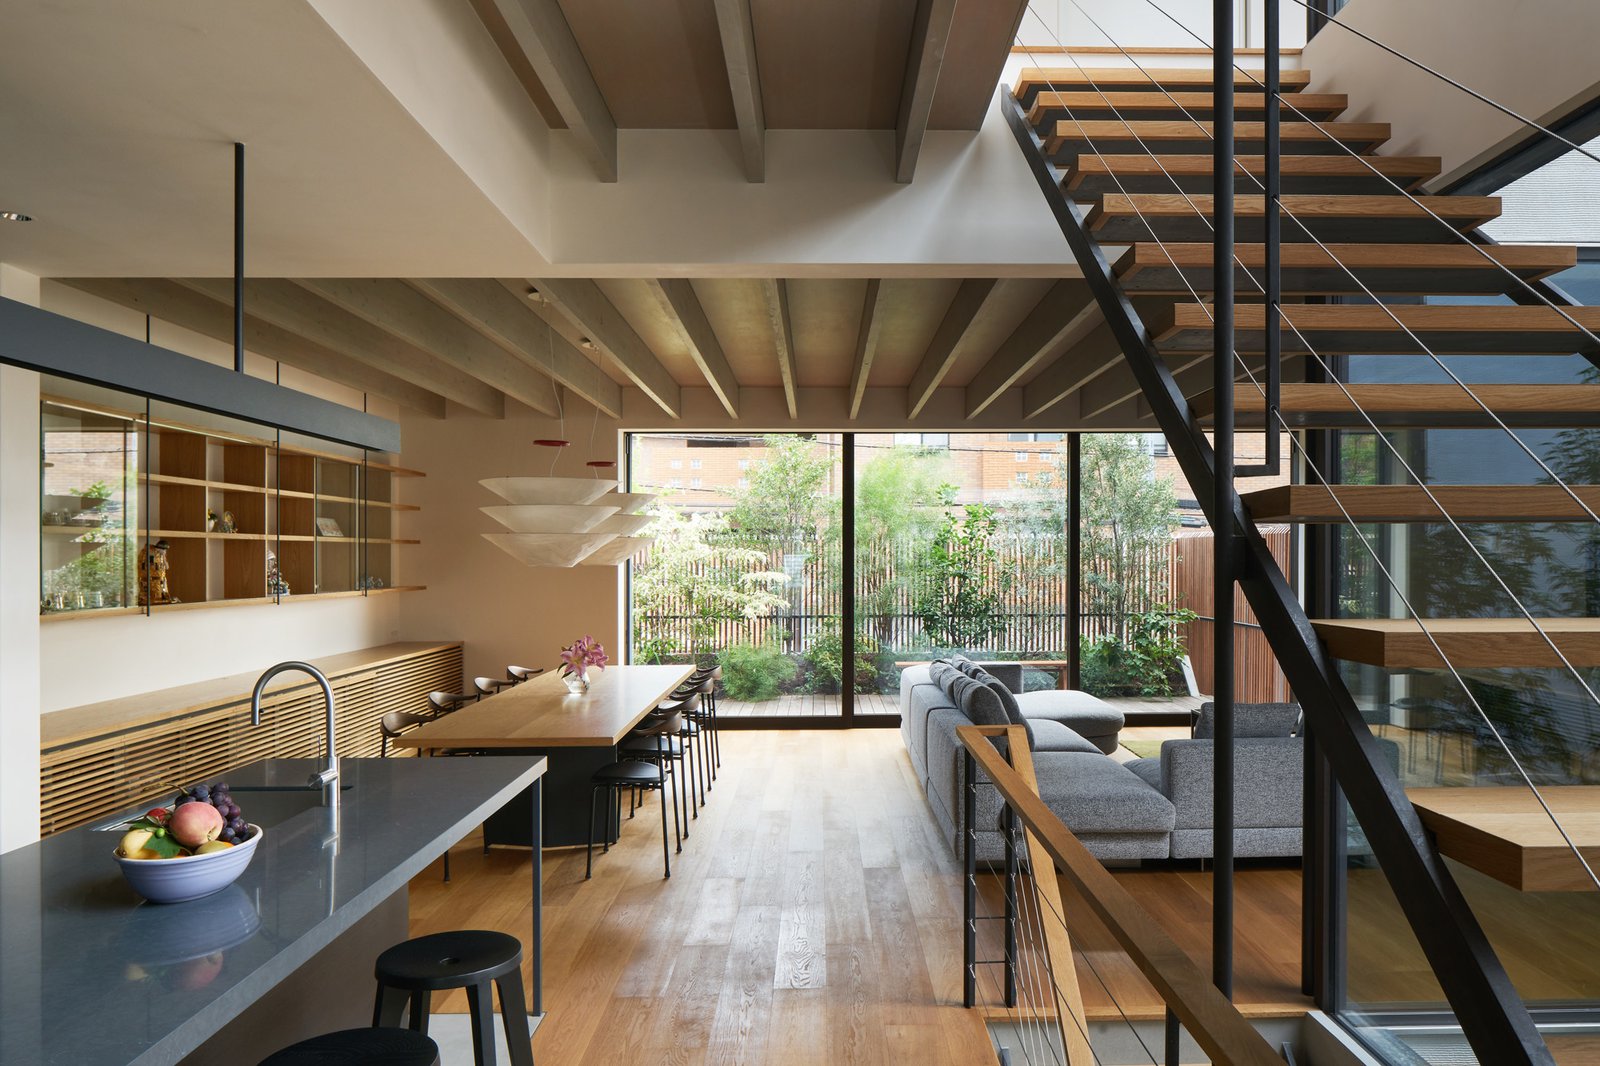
x=88 y=478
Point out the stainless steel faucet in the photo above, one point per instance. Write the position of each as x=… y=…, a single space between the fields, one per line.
x=326 y=779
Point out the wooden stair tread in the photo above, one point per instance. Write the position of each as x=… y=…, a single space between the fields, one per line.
x=1437 y=406
x=1455 y=268
x=1377 y=219
x=1360 y=328
x=1468 y=643
x=1097 y=175
x=1051 y=104
x=1296 y=136
x=1409 y=503
x=1033 y=80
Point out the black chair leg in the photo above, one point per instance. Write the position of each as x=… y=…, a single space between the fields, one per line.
x=389 y=1007
x=666 y=853
x=514 y=1018
x=447 y=867
x=688 y=782
x=666 y=763
x=588 y=863
x=419 y=1011
x=481 y=1006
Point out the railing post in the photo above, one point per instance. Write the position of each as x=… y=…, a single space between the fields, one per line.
x=1008 y=828
x=1222 y=497
x=969 y=894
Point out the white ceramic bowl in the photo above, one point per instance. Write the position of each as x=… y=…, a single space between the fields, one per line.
x=548 y=490
x=551 y=518
x=179 y=880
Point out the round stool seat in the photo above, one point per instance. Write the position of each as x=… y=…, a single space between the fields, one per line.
x=651 y=746
x=360 y=1047
x=627 y=774
x=449 y=960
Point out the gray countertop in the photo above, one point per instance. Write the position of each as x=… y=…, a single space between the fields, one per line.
x=92 y=975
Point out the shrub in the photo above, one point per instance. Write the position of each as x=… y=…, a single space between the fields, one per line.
x=1148 y=664
x=824 y=663
x=754 y=672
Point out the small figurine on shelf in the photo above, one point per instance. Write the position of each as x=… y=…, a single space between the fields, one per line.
x=226 y=523
x=154 y=585
x=369 y=581
x=276 y=585
x=211 y=520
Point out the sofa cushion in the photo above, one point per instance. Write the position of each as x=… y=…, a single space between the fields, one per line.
x=1093 y=793
x=1090 y=718
x=1045 y=735
x=975 y=699
x=1008 y=702
x=1251 y=720
x=1146 y=770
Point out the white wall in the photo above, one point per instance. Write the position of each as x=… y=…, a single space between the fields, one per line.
x=1536 y=57
x=19 y=588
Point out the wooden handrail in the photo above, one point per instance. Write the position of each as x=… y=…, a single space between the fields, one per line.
x=1219 y=1029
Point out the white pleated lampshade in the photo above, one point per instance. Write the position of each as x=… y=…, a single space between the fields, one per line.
x=552 y=518
x=618 y=551
x=547 y=491
x=549 y=549
x=628 y=502
x=624 y=525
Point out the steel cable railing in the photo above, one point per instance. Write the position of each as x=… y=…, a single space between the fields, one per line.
x=1429 y=634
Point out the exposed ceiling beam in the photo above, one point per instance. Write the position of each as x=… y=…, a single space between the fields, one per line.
x=744 y=81
x=500 y=312
x=1119 y=386
x=541 y=31
x=171 y=302
x=930 y=33
x=867 y=337
x=1065 y=309
x=945 y=347
x=775 y=294
x=1078 y=365
x=582 y=301
x=678 y=302
x=394 y=306
x=286 y=305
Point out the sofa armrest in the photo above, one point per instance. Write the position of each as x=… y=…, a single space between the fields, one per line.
x=1268 y=776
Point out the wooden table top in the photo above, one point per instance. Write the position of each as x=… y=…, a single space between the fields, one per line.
x=541 y=713
x=1503 y=832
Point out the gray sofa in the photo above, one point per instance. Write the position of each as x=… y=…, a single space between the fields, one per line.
x=1148 y=809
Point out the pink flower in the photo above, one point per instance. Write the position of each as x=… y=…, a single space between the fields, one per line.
x=582 y=654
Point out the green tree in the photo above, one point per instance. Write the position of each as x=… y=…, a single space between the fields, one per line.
x=697 y=573
x=788 y=501
x=962 y=599
x=1128 y=517
x=902 y=495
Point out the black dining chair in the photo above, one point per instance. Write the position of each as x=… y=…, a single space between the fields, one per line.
x=679 y=753
x=614 y=778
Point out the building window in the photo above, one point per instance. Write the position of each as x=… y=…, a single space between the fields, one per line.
x=694 y=464
x=1022 y=477
x=744 y=464
x=744 y=483
x=1022 y=457
x=1156 y=444
x=676 y=464
x=674 y=482
x=694 y=483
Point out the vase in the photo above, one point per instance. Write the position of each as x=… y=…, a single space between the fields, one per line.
x=577 y=683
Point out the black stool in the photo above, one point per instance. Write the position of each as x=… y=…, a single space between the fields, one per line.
x=465 y=958
x=359 y=1047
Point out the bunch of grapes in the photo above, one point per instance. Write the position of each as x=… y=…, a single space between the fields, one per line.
x=234 y=828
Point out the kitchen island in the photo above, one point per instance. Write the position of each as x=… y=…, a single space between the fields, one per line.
x=92 y=976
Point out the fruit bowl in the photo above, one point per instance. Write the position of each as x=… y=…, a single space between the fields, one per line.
x=189 y=877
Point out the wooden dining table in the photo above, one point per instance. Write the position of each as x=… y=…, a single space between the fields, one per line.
x=576 y=732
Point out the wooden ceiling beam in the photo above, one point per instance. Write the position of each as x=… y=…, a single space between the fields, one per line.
x=500 y=311
x=945 y=347
x=395 y=307
x=1066 y=308
x=677 y=300
x=925 y=58
x=181 y=306
x=290 y=307
x=867 y=337
x=744 y=82
x=542 y=33
x=775 y=294
x=1080 y=364
x=581 y=300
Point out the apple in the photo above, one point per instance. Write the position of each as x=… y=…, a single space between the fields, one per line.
x=195 y=823
x=211 y=846
x=133 y=842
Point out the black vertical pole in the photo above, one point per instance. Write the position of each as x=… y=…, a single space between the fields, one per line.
x=536 y=947
x=1274 y=239
x=1075 y=562
x=1008 y=826
x=847 y=576
x=238 y=257
x=1172 y=1042
x=969 y=887
x=1222 y=499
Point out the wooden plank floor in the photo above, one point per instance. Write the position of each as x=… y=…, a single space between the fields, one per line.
x=807 y=705
x=814 y=916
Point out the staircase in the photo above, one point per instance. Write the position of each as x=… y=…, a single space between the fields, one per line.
x=1125 y=157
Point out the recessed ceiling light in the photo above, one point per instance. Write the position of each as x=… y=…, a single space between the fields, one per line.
x=586 y=344
x=14 y=216
x=536 y=296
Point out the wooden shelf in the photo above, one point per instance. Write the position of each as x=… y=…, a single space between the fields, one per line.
x=1468 y=643
x=258 y=601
